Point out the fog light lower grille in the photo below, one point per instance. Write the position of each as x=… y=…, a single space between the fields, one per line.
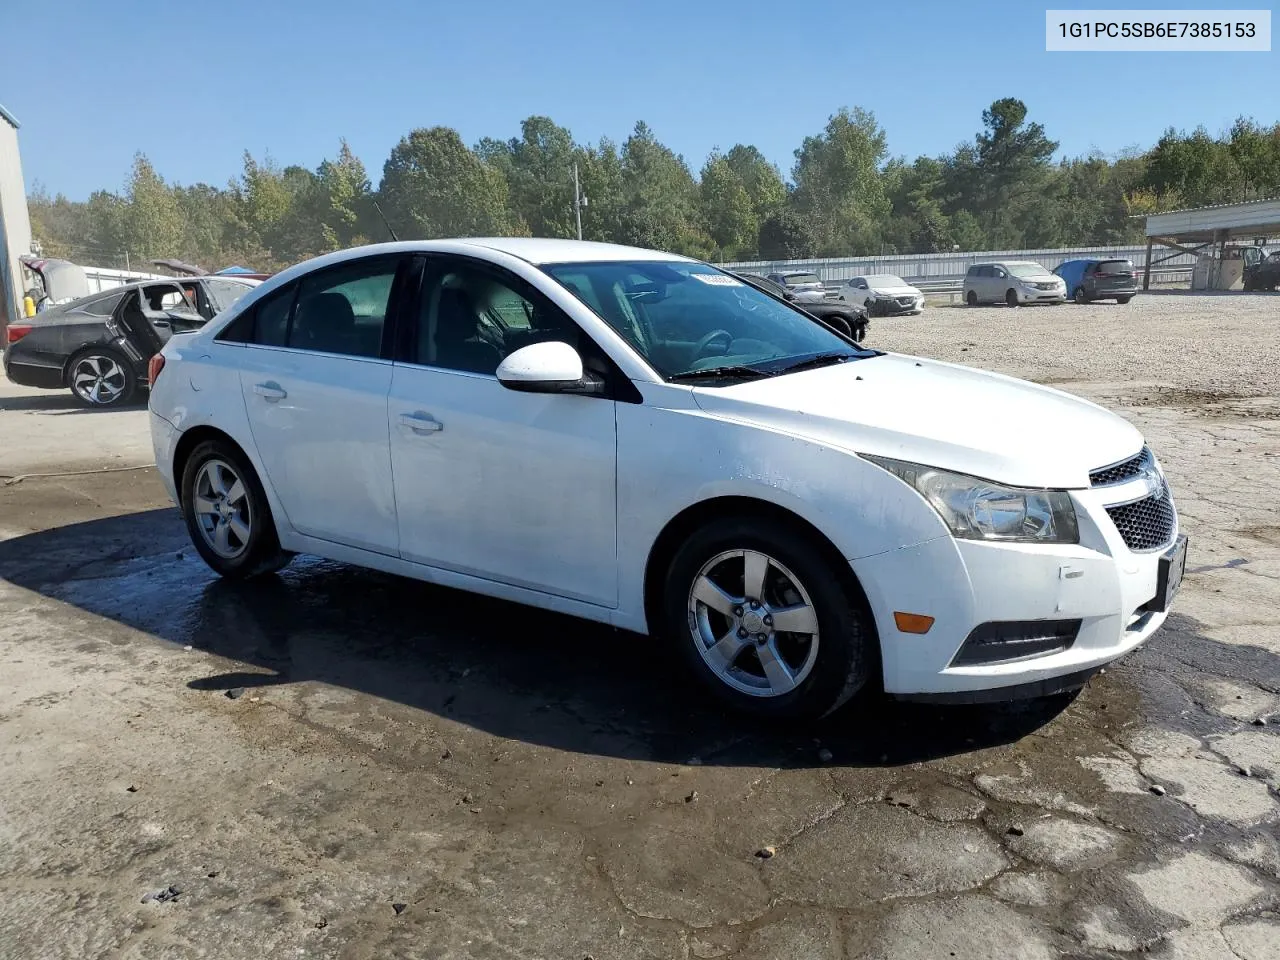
x=1003 y=640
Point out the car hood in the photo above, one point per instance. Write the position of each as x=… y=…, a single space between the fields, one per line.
x=899 y=290
x=1039 y=278
x=940 y=414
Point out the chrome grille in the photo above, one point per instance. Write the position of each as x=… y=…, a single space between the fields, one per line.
x=1146 y=524
x=1120 y=472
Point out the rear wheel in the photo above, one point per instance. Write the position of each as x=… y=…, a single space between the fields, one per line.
x=101 y=377
x=1080 y=296
x=227 y=514
x=757 y=614
x=1011 y=297
x=971 y=298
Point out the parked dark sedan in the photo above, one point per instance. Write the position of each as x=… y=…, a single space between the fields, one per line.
x=849 y=318
x=70 y=346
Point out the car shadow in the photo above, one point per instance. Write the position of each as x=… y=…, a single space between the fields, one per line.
x=510 y=670
x=60 y=402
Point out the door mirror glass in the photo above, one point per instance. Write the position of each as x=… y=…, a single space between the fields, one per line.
x=548 y=367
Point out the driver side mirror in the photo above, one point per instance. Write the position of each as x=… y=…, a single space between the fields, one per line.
x=549 y=367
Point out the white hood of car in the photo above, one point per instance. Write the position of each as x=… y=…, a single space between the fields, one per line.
x=940 y=414
x=897 y=290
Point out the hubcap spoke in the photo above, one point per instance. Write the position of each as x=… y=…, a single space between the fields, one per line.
x=222 y=536
x=96 y=392
x=725 y=652
x=95 y=364
x=780 y=677
x=755 y=567
x=707 y=592
x=801 y=618
x=205 y=505
x=240 y=529
x=235 y=493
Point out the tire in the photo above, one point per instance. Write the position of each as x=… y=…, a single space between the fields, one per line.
x=1123 y=300
x=971 y=298
x=101 y=377
x=236 y=535
x=1011 y=298
x=841 y=323
x=1079 y=296
x=810 y=672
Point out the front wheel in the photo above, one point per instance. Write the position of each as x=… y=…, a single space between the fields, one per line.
x=227 y=514
x=971 y=298
x=1011 y=298
x=101 y=377
x=759 y=617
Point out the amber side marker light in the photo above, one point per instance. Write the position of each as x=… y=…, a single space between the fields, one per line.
x=912 y=622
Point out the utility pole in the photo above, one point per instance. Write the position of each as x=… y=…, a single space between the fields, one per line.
x=579 y=200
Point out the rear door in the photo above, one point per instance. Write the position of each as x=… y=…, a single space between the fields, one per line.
x=315 y=379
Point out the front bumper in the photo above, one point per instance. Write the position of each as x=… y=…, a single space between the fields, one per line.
x=1057 y=295
x=965 y=583
x=895 y=307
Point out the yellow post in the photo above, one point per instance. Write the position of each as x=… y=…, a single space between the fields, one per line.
x=29 y=306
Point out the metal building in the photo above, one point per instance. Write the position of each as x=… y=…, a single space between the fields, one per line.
x=15 y=225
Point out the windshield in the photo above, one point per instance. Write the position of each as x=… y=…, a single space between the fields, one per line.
x=886 y=280
x=689 y=317
x=1026 y=269
x=796 y=279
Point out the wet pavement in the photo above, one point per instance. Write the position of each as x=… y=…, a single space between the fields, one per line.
x=407 y=771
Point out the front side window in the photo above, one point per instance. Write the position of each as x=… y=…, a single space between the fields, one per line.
x=223 y=293
x=344 y=309
x=472 y=318
x=685 y=318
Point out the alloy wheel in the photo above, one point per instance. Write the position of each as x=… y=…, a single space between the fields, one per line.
x=98 y=380
x=753 y=623
x=222 y=511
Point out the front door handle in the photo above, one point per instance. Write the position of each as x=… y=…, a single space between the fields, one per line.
x=270 y=391
x=421 y=422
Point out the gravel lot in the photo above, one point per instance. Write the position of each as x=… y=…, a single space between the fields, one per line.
x=406 y=771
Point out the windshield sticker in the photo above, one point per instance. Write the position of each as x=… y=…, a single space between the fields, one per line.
x=717 y=279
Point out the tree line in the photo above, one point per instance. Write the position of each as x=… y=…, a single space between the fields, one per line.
x=845 y=196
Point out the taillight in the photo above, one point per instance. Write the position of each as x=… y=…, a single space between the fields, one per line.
x=16 y=331
x=154 y=366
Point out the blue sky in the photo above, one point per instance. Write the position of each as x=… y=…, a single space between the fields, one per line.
x=291 y=77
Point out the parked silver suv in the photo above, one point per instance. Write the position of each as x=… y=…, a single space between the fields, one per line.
x=1013 y=282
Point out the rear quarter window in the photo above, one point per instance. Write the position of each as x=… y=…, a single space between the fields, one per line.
x=265 y=323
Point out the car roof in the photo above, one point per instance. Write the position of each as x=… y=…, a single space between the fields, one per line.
x=545 y=250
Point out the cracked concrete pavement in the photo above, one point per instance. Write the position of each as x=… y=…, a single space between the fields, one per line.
x=413 y=772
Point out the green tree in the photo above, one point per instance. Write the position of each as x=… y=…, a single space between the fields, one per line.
x=786 y=235
x=538 y=166
x=151 y=226
x=433 y=186
x=345 y=200
x=839 y=185
x=659 y=198
x=727 y=209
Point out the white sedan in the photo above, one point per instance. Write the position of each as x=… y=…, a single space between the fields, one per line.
x=883 y=294
x=643 y=440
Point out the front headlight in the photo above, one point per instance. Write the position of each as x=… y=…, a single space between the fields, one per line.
x=981 y=510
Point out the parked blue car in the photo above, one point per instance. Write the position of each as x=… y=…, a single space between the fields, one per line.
x=1098 y=279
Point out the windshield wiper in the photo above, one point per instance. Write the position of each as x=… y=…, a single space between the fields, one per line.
x=821 y=360
x=720 y=373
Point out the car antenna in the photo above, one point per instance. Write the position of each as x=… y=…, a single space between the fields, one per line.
x=385 y=222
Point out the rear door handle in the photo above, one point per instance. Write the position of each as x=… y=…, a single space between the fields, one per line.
x=421 y=422
x=271 y=392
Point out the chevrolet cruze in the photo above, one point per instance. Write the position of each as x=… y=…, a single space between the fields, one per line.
x=644 y=440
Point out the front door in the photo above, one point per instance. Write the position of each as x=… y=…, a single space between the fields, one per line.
x=508 y=486
x=315 y=379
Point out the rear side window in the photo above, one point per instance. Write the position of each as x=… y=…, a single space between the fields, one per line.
x=343 y=310
x=100 y=306
x=974 y=271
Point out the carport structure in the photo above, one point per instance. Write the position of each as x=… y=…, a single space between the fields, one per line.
x=1200 y=229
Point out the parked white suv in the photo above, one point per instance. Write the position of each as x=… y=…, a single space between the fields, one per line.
x=1012 y=282
x=643 y=440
